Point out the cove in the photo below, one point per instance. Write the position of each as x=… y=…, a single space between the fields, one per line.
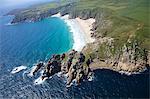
x=27 y=43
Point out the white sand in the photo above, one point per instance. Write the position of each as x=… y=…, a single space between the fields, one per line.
x=86 y=26
x=81 y=30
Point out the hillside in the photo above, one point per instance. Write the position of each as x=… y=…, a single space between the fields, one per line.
x=126 y=21
x=128 y=16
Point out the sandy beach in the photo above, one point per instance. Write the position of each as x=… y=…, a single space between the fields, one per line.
x=81 y=30
x=86 y=26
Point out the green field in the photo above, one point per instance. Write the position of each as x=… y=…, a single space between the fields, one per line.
x=129 y=17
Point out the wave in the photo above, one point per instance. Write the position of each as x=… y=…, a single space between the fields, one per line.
x=79 y=41
x=18 y=69
x=31 y=71
x=39 y=80
x=128 y=74
x=8 y=24
x=75 y=29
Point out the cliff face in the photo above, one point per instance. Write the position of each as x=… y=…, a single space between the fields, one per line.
x=34 y=14
x=120 y=41
x=129 y=59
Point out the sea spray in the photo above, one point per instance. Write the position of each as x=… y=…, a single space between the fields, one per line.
x=39 y=80
x=18 y=69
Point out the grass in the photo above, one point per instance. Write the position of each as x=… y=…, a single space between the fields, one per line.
x=41 y=8
x=129 y=21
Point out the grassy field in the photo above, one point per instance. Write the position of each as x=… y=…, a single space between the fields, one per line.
x=54 y=4
x=129 y=17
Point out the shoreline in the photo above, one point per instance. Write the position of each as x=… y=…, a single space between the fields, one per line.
x=122 y=72
x=80 y=29
x=102 y=65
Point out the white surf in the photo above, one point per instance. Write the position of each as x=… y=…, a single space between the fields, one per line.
x=32 y=70
x=18 y=69
x=39 y=80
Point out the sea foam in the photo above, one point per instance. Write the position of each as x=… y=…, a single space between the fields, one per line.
x=31 y=71
x=18 y=69
x=79 y=41
x=39 y=80
x=75 y=29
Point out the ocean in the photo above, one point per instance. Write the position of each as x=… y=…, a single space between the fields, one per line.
x=29 y=43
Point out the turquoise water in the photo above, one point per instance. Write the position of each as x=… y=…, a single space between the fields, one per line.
x=27 y=43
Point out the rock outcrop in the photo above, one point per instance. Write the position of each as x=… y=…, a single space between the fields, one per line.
x=38 y=66
x=132 y=59
x=128 y=59
x=73 y=64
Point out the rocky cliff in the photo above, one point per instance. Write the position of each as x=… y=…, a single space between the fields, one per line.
x=36 y=14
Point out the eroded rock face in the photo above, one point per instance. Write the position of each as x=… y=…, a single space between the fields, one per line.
x=77 y=70
x=148 y=58
x=132 y=59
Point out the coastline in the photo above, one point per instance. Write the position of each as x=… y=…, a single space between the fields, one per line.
x=93 y=68
x=80 y=29
x=81 y=35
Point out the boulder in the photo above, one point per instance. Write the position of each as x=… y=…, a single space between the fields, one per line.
x=37 y=68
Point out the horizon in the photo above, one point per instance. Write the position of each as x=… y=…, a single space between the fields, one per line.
x=10 y=3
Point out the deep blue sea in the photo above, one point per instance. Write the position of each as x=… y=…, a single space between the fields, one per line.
x=28 y=43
